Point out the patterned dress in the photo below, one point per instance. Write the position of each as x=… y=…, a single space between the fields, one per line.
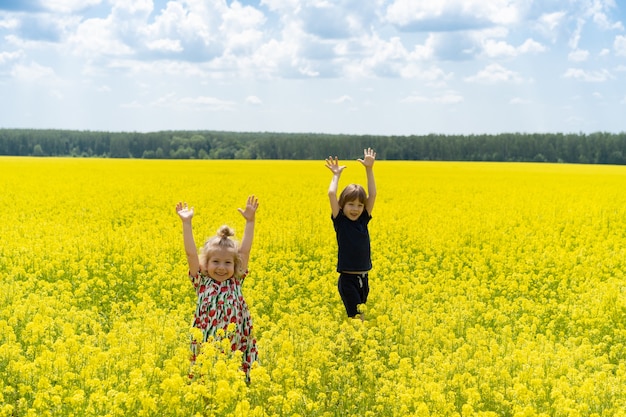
x=219 y=304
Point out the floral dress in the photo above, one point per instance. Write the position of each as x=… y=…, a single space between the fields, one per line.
x=219 y=304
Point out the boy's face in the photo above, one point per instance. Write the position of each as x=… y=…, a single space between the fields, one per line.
x=353 y=209
x=221 y=265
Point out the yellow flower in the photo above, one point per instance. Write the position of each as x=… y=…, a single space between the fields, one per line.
x=463 y=317
x=231 y=327
x=196 y=334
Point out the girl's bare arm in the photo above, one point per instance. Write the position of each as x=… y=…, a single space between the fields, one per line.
x=186 y=214
x=249 y=213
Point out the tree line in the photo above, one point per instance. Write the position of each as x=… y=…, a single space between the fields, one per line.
x=592 y=148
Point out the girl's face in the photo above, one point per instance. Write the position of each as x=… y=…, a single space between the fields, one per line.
x=353 y=209
x=221 y=265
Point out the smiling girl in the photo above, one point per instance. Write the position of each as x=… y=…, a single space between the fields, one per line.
x=217 y=274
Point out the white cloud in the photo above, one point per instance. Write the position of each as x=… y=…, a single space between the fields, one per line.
x=578 y=55
x=519 y=101
x=575 y=38
x=379 y=57
x=619 y=45
x=273 y=58
x=588 y=76
x=194 y=31
x=495 y=73
x=254 y=100
x=33 y=72
x=241 y=28
x=549 y=24
x=386 y=52
x=68 y=6
x=342 y=99
x=206 y=30
x=431 y=74
x=531 y=46
x=143 y=69
x=96 y=37
x=467 y=14
x=390 y=59
x=306 y=69
x=127 y=8
x=135 y=52
x=9 y=23
x=206 y=103
x=198 y=103
x=598 y=11
x=167 y=45
x=450 y=97
x=493 y=49
x=281 y=5
x=10 y=56
x=454 y=45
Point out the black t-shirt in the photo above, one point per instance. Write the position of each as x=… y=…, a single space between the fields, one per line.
x=353 y=241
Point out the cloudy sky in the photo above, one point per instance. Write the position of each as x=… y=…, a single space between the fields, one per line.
x=388 y=67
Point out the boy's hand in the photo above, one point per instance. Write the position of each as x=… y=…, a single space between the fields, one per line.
x=251 y=206
x=183 y=211
x=333 y=165
x=369 y=156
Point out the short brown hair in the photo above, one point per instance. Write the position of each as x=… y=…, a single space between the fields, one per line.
x=352 y=192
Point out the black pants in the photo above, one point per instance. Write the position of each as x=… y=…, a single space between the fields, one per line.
x=353 y=289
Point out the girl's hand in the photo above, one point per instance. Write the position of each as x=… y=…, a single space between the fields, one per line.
x=184 y=212
x=369 y=156
x=251 y=206
x=333 y=165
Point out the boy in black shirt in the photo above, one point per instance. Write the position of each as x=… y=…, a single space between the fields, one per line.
x=351 y=214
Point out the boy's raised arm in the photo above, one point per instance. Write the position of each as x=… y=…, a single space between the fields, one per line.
x=369 y=157
x=336 y=169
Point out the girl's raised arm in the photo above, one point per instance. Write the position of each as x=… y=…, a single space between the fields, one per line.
x=249 y=213
x=186 y=213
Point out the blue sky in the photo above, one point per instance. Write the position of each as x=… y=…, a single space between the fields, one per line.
x=385 y=67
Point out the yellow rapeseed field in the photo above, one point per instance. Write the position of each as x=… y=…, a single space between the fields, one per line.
x=497 y=290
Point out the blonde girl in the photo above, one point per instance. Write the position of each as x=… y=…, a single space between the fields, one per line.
x=217 y=274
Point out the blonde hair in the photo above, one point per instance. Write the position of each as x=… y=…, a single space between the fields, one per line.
x=352 y=192
x=222 y=240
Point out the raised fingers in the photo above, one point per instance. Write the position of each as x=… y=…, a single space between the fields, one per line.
x=253 y=202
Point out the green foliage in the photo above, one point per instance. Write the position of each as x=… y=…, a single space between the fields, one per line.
x=594 y=148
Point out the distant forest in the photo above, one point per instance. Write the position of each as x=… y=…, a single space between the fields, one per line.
x=594 y=148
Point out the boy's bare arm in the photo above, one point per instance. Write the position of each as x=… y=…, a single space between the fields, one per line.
x=336 y=169
x=371 y=190
x=369 y=157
